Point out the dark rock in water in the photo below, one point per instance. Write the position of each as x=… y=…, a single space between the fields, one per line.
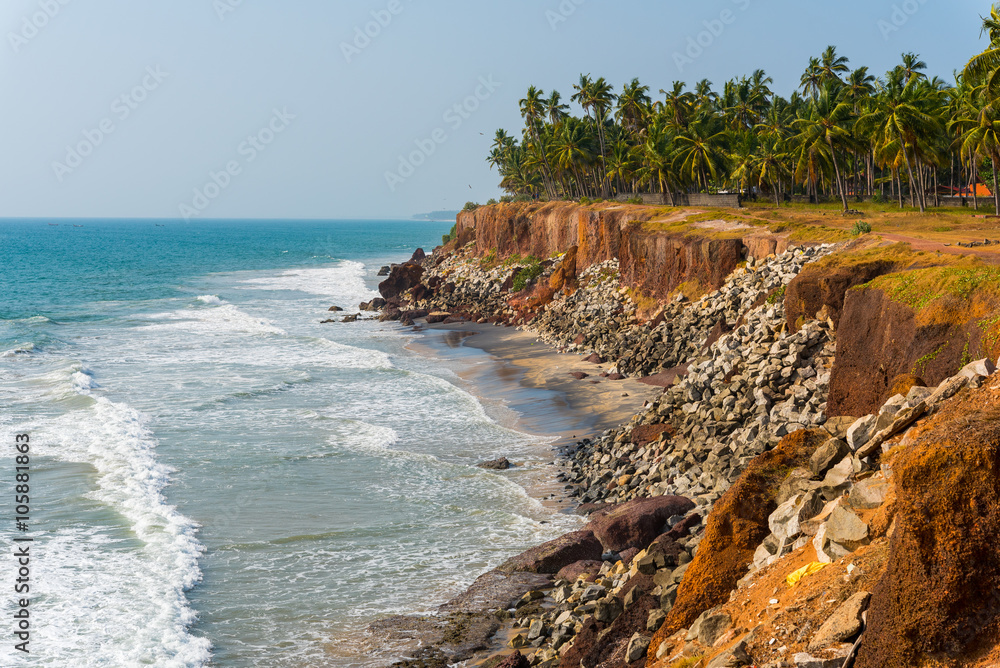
x=336 y=309
x=500 y=464
x=588 y=568
x=326 y=322
x=594 y=359
x=436 y=317
x=384 y=271
x=373 y=305
x=553 y=556
x=579 y=375
x=418 y=255
x=406 y=322
x=515 y=660
x=401 y=278
x=413 y=314
x=390 y=313
x=636 y=523
x=350 y=318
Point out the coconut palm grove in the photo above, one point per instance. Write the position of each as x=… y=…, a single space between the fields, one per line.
x=846 y=134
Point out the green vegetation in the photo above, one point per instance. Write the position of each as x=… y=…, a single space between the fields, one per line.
x=777 y=296
x=920 y=287
x=921 y=364
x=899 y=139
x=861 y=227
x=470 y=206
x=451 y=235
x=531 y=269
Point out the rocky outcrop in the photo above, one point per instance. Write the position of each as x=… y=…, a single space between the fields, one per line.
x=737 y=525
x=654 y=259
x=402 y=277
x=940 y=595
x=556 y=554
x=636 y=523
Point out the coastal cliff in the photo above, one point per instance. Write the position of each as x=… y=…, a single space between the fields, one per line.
x=771 y=507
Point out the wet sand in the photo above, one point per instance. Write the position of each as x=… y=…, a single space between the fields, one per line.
x=531 y=384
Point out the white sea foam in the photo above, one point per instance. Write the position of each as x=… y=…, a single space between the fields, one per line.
x=25 y=349
x=343 y=281
x=129 y=603
x=211 y=299
x=83 y=380
x=218 y=320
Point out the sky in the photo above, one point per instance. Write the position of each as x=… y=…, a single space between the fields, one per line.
x=321 y=109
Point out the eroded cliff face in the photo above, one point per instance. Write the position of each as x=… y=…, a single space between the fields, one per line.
x=881 y=341
x=653 y=261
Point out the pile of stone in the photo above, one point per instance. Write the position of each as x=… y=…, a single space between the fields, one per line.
x=755 y=385
x=600 y=316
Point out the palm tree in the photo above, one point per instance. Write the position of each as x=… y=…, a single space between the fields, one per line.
x=677 y=106
x=985 y=67
x=828 y=123
x=912 y=66
x=633 y=106
x=533 y=108
x=573 y=151
x=701 y=152
x=832 y=66
x=555 y=109
x=812 y=78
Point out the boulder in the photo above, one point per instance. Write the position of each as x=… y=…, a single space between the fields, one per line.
x=350 y=318
x=553 y=556
x=437 y=316
x=500 y=464
x=588 y=569
x=732 y=657
x=861 y=431
x=418 y=256
x=868 y=494
x=384 y=270
x=709 y=626
x=636 y=523
x=843 y=624
x=401 y=278
x=638 y=645
x=655 y=620
x=579 y=375
x=515 y=660
x=785 y=521
x=336 y=309
x=979 y=369
x=827 y=455
x=805 y=660
x=827 y=551
x=846 y=528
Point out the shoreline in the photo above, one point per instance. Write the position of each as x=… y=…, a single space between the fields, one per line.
x=525 y=384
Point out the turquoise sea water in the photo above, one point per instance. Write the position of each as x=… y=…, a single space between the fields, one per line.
x=217 y=478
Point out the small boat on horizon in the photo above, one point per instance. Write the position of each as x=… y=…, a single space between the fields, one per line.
x=53 y=224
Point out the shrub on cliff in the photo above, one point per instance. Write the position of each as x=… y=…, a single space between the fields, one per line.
x=471 y=206
x=451 y=235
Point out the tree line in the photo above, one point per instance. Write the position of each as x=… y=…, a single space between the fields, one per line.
x=843 y=134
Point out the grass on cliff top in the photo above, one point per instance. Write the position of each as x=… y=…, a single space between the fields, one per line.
x=962 y=280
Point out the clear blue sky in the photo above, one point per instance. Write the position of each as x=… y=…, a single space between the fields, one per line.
x=201 y=77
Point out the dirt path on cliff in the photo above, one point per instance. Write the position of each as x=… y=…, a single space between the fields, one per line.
x=990 y=254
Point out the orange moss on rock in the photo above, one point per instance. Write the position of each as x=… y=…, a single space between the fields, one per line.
x=938 y=603
x=736 y=526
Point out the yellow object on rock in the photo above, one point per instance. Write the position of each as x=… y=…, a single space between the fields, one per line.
x=794 y=577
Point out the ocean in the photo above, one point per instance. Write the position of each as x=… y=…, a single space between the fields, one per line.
x=217 y=478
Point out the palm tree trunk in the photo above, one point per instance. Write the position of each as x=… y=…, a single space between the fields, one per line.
x=836 y=169
x=909 y=171
x=996 y=191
